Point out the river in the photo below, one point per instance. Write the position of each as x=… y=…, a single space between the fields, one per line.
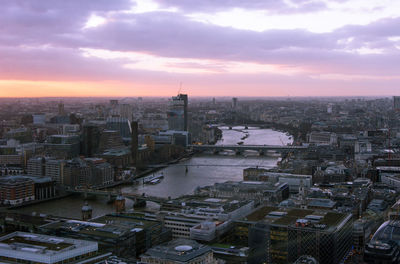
x=203 y=170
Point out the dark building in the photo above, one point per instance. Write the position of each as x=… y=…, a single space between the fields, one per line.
x=134 y=142
x=178 y=113
x=86 y=212
x=63 y=146
x=90 y=140
x=110 y=139
x=121 y=125
x=278 y=235
x=123 y=235
x=384 y=245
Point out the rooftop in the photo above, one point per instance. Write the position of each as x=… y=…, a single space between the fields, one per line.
x=109 y=226
x=289 y=216
x=39 y=244
x=182 y=250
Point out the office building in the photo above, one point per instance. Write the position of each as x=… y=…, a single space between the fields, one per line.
x=76 y=173
x=102 y=173
x=180 y=138
x=396 y=103
x=37 y=166
x=120 y=124
x=282 y=235
x=234 y=103
x=62 y=146
x=126 y=111
x=12 y=160
x=178 y=113
x=16 y=190
x=39 y=119
x=259 y=191
x=21 y=247
x=322 y=138
x=69 y=129
x=110 y=139
x=202 y=218
x=90 y=139
x=384 y=245
x=135 y=142
x=61 y=110
x=179 y=251
x=55 y=170
x=123 y=235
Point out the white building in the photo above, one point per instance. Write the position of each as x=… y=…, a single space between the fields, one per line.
x=322 y=138
x=36 y=248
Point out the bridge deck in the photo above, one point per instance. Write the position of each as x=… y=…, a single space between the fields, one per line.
x=249 y=147
x=115 y=194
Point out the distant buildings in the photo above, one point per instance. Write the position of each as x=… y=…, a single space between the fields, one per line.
x=396 y=103
x=74 y=172
x=110 y=139
x=259 y=191
x=39 y=119
x=322 y=138
x=62 y=146
x=120 y=124
x=263 y=175
x=234 y=103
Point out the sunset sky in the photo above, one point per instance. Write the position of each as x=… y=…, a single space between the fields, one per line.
x=213 y=47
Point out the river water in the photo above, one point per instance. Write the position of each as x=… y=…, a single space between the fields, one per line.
x=202 y=170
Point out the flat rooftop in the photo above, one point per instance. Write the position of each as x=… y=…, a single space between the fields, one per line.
x=107 y=226
x=21 y=243
x=178 y=250
x=289 y=216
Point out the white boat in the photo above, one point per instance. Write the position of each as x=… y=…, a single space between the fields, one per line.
x=155 y=181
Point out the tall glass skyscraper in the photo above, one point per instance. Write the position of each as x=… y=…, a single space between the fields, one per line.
x=177 y=113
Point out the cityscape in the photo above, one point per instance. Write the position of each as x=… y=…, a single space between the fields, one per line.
x=199 y=132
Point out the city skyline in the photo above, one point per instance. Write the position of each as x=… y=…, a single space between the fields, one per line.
x=215 y=48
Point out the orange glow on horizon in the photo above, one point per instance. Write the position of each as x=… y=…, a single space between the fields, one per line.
x=18 y=88
x=23 y=88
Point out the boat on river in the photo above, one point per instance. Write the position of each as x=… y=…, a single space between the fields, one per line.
x=153 y=179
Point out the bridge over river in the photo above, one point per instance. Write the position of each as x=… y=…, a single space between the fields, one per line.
x=137 y=198
x=261 y=149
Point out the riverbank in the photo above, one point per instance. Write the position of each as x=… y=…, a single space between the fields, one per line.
x=35 y=202
x=203 y=170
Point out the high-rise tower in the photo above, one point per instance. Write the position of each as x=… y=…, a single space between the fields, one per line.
x=178 y=113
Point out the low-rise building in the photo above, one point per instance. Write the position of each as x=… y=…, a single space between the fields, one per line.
x=179 y=251
x=322 y=138
x=124 y=235
x=259 y=191
x=21 y=247
x=16 y=190
x=202 y=218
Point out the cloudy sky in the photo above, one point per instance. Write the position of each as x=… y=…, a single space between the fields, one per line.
x=212 y=47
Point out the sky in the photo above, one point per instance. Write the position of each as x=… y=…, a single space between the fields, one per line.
x=252 y=48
